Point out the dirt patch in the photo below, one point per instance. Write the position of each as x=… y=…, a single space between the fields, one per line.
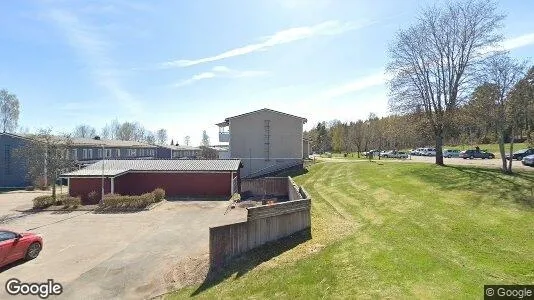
x=186 y=272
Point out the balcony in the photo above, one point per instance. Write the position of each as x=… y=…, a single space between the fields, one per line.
x=224 y=137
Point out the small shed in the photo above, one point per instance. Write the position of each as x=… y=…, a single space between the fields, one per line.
x=179 y=178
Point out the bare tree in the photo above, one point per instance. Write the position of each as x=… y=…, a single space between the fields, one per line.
x=434 y=61
x=504 y=73
x=205 y=139
x=187 y=140
x=9 y=111
x=150 y=138
x=161 y=136
x=46 y=156
x=84 y=131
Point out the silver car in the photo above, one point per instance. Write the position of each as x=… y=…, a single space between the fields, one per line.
x=528 y=160
x=450 y=153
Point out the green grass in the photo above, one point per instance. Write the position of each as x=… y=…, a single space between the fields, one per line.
x=396 y=230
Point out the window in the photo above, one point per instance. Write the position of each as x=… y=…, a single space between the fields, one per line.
x=90 y=153
x=84 y=153
x=132 y=152
x=99 y=152
x=75 y=154
x=7 y=159
x=108 y=153
x=7 y=235
x=118 y=152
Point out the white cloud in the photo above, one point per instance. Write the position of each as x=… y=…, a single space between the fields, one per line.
x=282 y=37
x=94 y=51
x=220 y=71
x=519 y=41
x=356 y=85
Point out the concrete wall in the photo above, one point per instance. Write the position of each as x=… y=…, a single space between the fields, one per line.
x=305 y=149
x=13 y=170
x=264 y=223
x=247 y=140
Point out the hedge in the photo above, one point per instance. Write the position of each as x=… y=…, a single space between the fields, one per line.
x=43 y=201
x=69 y=201
x=159 y=194
x=128 y=202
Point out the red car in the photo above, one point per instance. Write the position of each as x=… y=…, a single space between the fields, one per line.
x=15 y=246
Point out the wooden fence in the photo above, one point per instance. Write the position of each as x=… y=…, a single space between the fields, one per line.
x=276 y=186
x=264 y=224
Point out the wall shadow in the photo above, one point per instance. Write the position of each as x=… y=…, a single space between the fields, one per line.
x=251 y=259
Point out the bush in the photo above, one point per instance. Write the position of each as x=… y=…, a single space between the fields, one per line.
x=159 y=194
x=93 y=197
x=29 y=188
x=69 y=201
x=116 y=201
x=43 y=201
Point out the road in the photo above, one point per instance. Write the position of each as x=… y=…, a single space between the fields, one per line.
x=115 y=256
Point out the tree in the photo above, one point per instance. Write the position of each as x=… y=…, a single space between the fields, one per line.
x=150 y=138
x=161 y=136
x=84 y=131
x=46 y=156
x=208 y=153
x=434 y=61
x=9 y=111
x=187 y=140
x=522 y=98
x=205 y=139
x=504 y=73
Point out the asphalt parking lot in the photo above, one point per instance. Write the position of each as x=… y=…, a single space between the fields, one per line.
x=112 y=256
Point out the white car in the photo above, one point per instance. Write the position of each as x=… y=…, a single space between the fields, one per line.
x=428 y=152
x=395 y=154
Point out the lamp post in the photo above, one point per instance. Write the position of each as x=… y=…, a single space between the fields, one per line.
x=103 y=160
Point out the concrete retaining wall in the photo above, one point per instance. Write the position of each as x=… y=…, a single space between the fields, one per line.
x=264 y=224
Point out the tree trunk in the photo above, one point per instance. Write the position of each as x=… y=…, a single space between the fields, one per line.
x=439 y=148
x=509 y=170
x=501 y=150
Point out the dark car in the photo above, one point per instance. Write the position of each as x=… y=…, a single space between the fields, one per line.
x=476 y=154
x=521 y=153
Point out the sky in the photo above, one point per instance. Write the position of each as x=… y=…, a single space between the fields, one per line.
x=187 y=65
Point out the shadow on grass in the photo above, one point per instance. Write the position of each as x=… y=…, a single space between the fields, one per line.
x=517 y=186
x=251 y=259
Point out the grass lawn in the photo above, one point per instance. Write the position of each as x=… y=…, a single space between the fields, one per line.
x=397 y=230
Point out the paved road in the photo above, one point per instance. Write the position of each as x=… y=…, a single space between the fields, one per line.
x=115 y=256
x=490 y=163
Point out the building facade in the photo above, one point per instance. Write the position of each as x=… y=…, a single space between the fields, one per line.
x=12 y=168
x=179 y=178
x=264 y=140
x=86 y=151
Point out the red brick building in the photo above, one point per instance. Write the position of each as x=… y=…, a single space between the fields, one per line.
x=205 y=178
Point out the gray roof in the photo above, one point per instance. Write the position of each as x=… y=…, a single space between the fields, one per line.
x=226 y=121
x=109 y=143
x=118 y=167
x=173 y=147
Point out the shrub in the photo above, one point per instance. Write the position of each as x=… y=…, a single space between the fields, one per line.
x=159 y=194
x=43 y=201
x=93 y=196
x=128 y=202
x=29 y=188
x=69 y=201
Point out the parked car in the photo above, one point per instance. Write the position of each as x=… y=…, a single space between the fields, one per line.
x=476 y=154
x=528 y=160
x=395 y=154
x=520 y=154
x=417 y=152
x=16 y=246
x=372 y=152
x=428 y=152
x=450 y=153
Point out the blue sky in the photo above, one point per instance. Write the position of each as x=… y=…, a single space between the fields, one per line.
x=186 y=65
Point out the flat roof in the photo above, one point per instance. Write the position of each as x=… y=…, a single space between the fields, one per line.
x=113 y=168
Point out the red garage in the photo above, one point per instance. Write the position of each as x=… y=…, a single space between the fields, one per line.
x=204 y=178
